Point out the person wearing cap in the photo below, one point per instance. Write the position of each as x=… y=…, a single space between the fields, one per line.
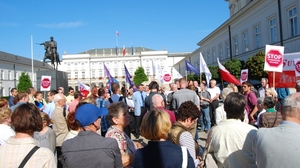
x=89 y=149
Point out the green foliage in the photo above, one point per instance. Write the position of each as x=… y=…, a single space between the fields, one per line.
x=214 y=70
x=24 y=82
x=139 y=76
x=255 y=65
x=193 y=77
x=234 y=67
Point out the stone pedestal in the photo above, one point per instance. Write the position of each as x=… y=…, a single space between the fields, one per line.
x=58 y=79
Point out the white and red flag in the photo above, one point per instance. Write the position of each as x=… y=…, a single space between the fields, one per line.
x=117 y=33
x=83 y=89
x=124 y=50
x=226 y=75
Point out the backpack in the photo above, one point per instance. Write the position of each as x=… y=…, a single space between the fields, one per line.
x=120 y=99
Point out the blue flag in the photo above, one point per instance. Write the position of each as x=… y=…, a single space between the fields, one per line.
x=190 y=67
x=128 y=80
x=111 y=79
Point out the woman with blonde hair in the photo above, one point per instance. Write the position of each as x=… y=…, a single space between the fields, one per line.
x=46 y=137
x=5 y=129
x=160 y=152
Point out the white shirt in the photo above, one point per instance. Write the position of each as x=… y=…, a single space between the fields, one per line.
x=231 y=144
x=214 y=91
x=258 y=117
x=5 y=132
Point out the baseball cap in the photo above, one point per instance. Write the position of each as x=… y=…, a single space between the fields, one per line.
x=89 y=113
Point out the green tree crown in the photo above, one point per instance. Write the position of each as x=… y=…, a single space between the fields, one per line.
x=139 y=76
x=24 y=82
x=255 y=65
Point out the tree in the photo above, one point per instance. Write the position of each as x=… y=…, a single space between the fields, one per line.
x=255 y=65
x=193 y=77
x=234 y=67
x=214 y=70
x=24 y=82
x=139 y=76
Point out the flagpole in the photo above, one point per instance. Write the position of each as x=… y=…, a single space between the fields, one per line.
x=31 y=40
x=274 y=79
x=186 y=75
x=117 y=53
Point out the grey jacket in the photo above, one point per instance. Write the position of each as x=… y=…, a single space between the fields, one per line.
x=89 y=149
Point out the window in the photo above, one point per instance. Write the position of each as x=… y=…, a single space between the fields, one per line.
x=8 y=75
x=1 y=74
x=116 y=72
x=227 y=54
x=221 y=51
x=76 y=75
x=213 y=55
x=100 y=73
x=123 y=72
x=208 y=57
x=273 y=30
x=257 y=36
x=235 y=46
x=69 y=75
x=293 y=22
x=83 y=75
x=115 y=62
x=93 y=74
x=246 y=43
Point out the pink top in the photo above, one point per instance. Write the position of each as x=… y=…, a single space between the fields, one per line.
x=72 y=105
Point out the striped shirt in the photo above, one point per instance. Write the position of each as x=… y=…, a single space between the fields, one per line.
x=270 y=119
x=15 y=150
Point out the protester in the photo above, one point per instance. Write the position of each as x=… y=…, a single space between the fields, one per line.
x=39 y=101
x=100 y=103
x=61 y=90
x=205 y=107
x=21 y=98
x=282 y=93
x=14 y=93
x=197 y=87
x=264 y=86
x=183 y=95
x=74 y=128
x=158 y=102
x=170 y=96
x=220 y=112
x=5 y=128
x=251 y=100
x=231 y=139
x=76 y=99
x=119 y=118
x=51 y=105
x=179 y=134
x=31 y=91
x=160 y=152
x=214 y=101
x=269 y=92
x=71 y=95
x=271 y=118
x=89 y=149
x=3 y=103
x=277 y=147
x=138 y=98
x=46 y=137
x=26 y=119
x=154 y=88
x=59 y=125
x=260 y=110
x=94 y=93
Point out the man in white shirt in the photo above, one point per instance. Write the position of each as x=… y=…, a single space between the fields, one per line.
x=214 y=102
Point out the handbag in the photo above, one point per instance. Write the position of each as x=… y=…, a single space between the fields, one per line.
x=208 y=160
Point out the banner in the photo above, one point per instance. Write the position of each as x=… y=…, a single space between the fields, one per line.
x=157 y=71
x=175 y=74
x=274 y=58
x=244 y=75
x=297 y=66
x=286 y=78
x=45 y=83
x=204 y=69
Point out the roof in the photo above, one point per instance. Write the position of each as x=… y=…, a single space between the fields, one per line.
x=105 y=51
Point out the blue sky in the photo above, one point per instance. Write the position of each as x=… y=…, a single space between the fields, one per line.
x=79 y=25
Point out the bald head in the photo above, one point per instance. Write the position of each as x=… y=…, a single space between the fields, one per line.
x=157 y=100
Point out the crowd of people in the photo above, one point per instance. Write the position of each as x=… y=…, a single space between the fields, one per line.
x=251 y=128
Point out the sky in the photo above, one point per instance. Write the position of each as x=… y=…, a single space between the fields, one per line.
x=79 y=25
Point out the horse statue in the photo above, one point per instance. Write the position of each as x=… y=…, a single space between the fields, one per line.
x=52 y=54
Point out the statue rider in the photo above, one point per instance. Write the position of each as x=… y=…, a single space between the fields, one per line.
x=53 y=47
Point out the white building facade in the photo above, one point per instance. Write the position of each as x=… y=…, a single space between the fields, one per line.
x=252 y=25
x=11 y=67
x=88 y=67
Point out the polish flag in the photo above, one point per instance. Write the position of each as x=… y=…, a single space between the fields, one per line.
x=226 y=76
x=124 y=50
x=83 y=89
x=117 y=33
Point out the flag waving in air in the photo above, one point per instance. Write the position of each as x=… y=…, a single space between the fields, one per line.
x=83 y=89
x=157 y=71
x=226 y=76
x=190 y=67
x=204 y=69
x=128 y=80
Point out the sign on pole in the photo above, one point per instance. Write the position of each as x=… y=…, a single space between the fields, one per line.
x=45 y=83
x=297 y=66
x=244 y=75
x=167 y=78
x=274 y=58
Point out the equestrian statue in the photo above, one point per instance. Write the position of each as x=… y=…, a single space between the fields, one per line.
x=51 y=52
